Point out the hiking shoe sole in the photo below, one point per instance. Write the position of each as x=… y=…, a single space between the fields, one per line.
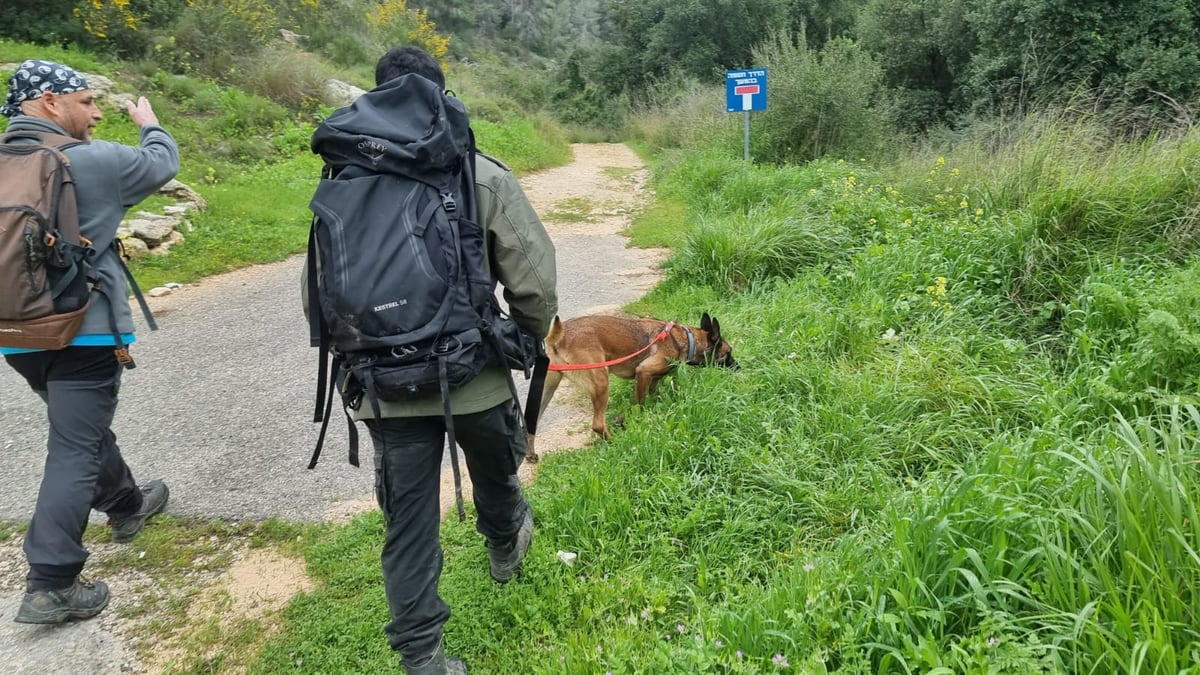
x=154 y=499
x=82 y=600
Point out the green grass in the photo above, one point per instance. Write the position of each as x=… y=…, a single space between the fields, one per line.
x=523 y=143
x=939 y=456
x=659 y=225
x=16 y=52
x=576 y=210
x=252 y=218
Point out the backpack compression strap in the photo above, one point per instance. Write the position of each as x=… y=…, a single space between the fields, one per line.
x=319 y=336
x=449 y=415
x=119 y=347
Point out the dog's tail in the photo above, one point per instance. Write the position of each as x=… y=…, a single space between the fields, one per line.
x=555 y=336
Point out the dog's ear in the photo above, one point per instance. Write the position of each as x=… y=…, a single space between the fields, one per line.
x=706 y=323
x=556 y=332
x=715 y=332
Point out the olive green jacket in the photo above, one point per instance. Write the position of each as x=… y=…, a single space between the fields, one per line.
x=521 y=258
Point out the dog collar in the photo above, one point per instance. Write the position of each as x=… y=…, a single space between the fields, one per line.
x=691 y=343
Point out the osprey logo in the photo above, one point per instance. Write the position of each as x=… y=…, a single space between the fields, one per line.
x=372 y=150
x=391 y=305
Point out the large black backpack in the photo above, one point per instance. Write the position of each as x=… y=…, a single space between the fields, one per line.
x=400 y=301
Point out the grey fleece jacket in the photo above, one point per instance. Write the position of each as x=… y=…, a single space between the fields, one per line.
x=110 y=178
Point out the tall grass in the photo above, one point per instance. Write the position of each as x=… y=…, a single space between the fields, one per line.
x=964 y=437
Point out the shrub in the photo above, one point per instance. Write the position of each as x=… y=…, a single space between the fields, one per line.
x=244 y=115
x=831 y=102
x=288 y=76
x=212 y=36
x=692 y=118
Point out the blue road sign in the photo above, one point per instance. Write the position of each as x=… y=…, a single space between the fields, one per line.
x=745 y=90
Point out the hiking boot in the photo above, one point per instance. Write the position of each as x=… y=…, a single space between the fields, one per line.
x=505 y=561
x=80 y=600
x=438 y=664
x=154 y=500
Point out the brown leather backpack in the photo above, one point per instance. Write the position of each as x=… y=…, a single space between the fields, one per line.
x=45 y=265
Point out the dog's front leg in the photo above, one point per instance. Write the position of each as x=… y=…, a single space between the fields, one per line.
x=598 y=389
x=646 y=378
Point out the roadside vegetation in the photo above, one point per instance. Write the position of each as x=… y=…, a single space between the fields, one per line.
x=248 y=153
x=964 y=438
x=961 y=277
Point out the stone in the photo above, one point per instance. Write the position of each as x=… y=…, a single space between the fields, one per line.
x=289 y=37
x=176 y=237
x=134 y=248
x=151 y=228
x=340 y=93
x=158 y=291
x=181 y=192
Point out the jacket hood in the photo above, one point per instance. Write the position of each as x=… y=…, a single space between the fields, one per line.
x=405 y=126
x=38 y=124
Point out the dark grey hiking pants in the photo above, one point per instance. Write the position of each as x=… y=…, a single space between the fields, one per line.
x=408 y=464
x=84 y=468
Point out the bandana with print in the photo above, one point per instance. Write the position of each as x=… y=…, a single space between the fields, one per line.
x=33 y=78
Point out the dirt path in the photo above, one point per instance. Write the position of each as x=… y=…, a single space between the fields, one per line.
x=217 y=468
x=585 y=205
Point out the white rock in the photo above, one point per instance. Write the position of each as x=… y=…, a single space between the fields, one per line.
x=341 y=93
x=158 y=291
x=180 y=191
x=290 y=37
x=134 y=247
x=152 y=229
x=177 y=209
x=567 y=558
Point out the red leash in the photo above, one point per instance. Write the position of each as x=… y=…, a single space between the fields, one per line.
x=662 y=335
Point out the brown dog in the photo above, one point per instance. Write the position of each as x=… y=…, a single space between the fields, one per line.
x=654 y=348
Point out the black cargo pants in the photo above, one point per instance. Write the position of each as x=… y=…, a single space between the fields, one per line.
x=408 y=468
x=84 y=469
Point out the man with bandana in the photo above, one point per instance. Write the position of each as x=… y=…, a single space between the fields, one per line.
x=84 y=469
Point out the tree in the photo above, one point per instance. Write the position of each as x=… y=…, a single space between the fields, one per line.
x=924 y=47
x=39 y=21
x=693 y=37
x=1130 y=51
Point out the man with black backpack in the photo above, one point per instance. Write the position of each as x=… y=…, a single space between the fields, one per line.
x=58 y=250
x=412 y=230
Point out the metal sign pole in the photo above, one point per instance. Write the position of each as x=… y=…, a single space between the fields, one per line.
x=746 y=141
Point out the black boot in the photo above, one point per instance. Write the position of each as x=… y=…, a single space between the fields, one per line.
x=438 y=664
x=505 y=561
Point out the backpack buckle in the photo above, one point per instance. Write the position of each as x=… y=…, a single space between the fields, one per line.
x=449 y=203
x=403 y=351
x=123 y=356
